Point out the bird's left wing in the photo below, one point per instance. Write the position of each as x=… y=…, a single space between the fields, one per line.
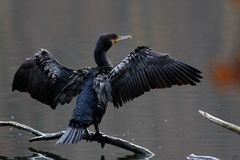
x=145 y=69
x=46 y=80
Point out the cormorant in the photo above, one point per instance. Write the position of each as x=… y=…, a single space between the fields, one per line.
x=143 y=69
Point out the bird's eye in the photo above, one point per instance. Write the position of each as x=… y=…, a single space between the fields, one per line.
x=114 y=36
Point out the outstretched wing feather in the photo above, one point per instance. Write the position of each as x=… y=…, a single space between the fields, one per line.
x=46 y=80
x=145 y=69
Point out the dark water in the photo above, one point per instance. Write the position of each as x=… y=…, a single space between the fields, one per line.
x=205 y=34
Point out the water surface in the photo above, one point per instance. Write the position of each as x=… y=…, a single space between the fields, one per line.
x=167 y=122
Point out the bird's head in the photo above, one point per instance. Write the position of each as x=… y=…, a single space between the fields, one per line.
x=106 y=41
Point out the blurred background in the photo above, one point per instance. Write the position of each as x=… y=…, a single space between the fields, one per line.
x=205 y=34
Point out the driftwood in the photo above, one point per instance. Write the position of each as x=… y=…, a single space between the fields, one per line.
x=199 y=157
x=102 y=139
x=221 y=122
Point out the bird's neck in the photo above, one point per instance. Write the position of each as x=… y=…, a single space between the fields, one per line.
x=101 y=58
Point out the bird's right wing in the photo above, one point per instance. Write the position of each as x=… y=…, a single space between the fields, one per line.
x=143 y=70
x=46 y=80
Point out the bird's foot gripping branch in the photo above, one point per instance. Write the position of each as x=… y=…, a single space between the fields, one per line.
x=100 y=138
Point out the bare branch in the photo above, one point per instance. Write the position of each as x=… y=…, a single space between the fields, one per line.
x=221 y=122
x=102 y=139
x=21 y=126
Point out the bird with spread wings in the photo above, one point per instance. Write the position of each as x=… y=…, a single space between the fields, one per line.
x=51 y=83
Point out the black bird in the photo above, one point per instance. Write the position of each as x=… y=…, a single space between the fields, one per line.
x=143 y=69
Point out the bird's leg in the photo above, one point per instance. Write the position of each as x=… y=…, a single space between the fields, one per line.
x=97 y=129
x=89 y=136
x=98 y=133
x=87 y=133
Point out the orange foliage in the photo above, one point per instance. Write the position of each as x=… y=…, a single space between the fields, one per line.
x=235 y=3
x=225 y=74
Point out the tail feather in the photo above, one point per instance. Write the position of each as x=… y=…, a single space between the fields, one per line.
x=64 y=136
x=71 y=136
x=79 y=136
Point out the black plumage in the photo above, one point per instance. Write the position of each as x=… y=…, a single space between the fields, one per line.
x=142 y=70
x=47 y=80
x=145 y=69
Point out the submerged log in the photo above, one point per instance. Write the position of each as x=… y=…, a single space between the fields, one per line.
x=102 y=139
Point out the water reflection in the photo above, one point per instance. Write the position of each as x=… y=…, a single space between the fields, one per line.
x=133 y=157
x=43 y=155
x=36 y=155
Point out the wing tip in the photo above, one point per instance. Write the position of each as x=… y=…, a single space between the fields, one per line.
x=19 y=84
x=53 y=106
x=13 y=89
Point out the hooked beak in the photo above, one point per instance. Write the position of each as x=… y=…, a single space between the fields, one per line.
x=114 y=41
